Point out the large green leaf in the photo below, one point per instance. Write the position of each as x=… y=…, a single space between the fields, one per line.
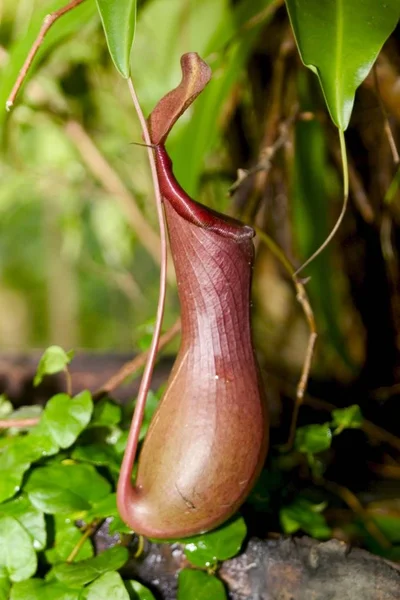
x=85 y=571
x=37 y=589
x=109 y=585
x=119 y=19
x=196 y=585
x=339 y=40
x=66 y=488
x=29 y=517
x=67 y=417
x=17 y=555
x=207 y=549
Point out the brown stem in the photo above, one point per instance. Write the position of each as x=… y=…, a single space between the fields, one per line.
x=353 y=502
x=22 y=423
x=68 y=381
x=113 y=184
x=131 y=367
x=386 y=123
x=47 y=23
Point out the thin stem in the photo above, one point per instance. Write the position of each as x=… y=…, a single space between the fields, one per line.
x=131 y=367
x=353 y=502
x=47 y=23
x=344 y=207
x=124 y=483
x=89 y=531
x=386 y=122
x=302 y=298
x=111 y=181
x=21 y=423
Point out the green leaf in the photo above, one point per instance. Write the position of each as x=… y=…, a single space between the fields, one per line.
x=98 y=454
x=339 y=41
x=66 y=488
x=4 y=584
x=313 y=438
x=86 y=571
x=347 y=418
x=303 y=514
x=107 y=507
x=106 y=414
x=67 y=537
x=196 y=585
x=13 y=465
x=20 y=454
x=29 y=517
x=207 y=549
x=119 y=20
x=67 y=417
x=54 y=360
x=137 y=591
x=37 y=589
x=17 y=554
x=109 y=585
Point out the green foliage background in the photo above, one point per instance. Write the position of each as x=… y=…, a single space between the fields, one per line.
x=79 y=262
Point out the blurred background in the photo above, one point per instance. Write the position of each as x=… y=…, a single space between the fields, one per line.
x=79 y=253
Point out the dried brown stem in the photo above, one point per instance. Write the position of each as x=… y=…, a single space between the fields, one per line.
x=276 y=133
x=113 y=184
x=49 y=20
x=20 y=423
x=353 y=502
x=386 y=122
x=131 y=367
x=302 y=298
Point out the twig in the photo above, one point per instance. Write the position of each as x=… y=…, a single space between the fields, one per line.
x=48 y=21
x=302 y=298
x=68 y=381
x=21 y=423
x=353 y=502
x=265 y=162
x=89 y=531
x=113 y=184
x=344 y=205
x=131 y=367
x=386 y=122
x=276 y=133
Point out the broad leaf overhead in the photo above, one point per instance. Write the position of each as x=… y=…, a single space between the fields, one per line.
x=339 y=41
x=119 y=19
